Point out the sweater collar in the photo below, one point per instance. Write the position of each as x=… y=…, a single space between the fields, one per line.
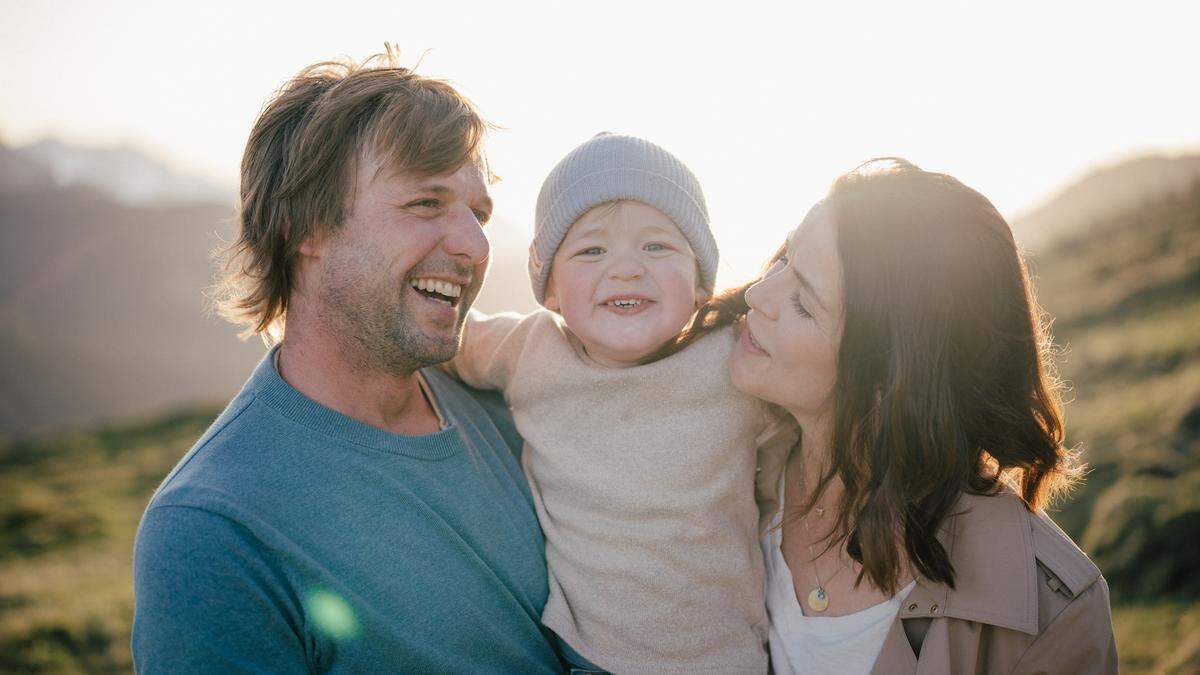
x=269 y=387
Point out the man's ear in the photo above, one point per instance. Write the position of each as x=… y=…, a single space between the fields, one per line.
x=313 y=246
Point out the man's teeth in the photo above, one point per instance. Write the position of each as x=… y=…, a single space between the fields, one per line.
x=625 y=304
x=443 y=288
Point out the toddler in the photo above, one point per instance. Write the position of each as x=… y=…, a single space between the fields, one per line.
x=641 y=465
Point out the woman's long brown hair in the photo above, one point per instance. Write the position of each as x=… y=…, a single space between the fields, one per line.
x=945 y=381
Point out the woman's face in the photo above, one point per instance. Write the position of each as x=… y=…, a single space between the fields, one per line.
x=788 y=353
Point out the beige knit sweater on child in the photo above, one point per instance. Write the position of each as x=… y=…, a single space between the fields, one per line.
x=644 y=483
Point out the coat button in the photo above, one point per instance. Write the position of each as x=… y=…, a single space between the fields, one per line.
x=934 y=609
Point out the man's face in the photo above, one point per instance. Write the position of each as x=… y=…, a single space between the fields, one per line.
x=397 y=278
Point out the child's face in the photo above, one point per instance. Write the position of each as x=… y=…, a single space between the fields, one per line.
x=624 y=280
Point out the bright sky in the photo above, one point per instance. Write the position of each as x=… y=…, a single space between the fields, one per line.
x=766 y=105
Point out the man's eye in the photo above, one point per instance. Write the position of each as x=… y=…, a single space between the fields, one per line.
x=426 y=203
x=482 y=217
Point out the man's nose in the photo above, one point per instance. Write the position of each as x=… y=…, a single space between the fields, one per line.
x=465 y=238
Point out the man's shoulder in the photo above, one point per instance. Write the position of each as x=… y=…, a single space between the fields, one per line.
x=475 y=405
x=241 y=451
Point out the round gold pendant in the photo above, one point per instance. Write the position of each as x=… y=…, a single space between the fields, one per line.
x=817 y=600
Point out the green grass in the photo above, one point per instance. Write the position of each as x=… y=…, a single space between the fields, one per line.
x=70 y=507
x=1158 y=638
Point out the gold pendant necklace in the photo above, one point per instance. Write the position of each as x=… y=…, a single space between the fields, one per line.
x=818 y=598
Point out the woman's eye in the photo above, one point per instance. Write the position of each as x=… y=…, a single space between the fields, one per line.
x=799 y=305
x=656 y=247
x=594 y=250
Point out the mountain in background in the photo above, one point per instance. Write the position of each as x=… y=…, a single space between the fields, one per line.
x=102 y=306
x=1103 y=193
x=123 y=173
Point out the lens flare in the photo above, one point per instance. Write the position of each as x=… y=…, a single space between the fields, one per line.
x=331 y=615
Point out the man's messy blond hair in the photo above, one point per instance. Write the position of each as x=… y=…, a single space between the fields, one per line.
x=301 y=160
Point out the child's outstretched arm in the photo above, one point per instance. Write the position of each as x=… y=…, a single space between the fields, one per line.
x=489 y=351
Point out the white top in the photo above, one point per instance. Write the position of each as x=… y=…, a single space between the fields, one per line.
x=644 y=483
x=815 y=645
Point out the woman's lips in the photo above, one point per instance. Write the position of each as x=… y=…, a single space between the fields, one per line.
x=750 y=344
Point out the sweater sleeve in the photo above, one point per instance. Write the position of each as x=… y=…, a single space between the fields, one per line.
x=208 y=601
x=773 y=445
x=490 y=348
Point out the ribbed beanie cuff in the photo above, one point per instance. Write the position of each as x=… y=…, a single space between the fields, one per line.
x=611 y=167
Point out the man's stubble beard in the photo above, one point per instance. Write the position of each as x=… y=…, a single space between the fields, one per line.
x=364 y=308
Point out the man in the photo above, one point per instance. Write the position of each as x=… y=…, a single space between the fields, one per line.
x=351 y=510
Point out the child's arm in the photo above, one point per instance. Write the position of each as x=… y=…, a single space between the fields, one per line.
x=773 y=445
x=489 y=351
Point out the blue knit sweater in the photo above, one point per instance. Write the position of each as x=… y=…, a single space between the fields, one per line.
x=292 y=538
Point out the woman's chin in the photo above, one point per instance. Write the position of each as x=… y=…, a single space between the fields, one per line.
x=739 y=375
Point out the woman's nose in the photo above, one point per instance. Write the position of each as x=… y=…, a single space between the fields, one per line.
x=757 y=298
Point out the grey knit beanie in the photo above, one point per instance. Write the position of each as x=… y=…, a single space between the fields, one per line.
x=609 y=167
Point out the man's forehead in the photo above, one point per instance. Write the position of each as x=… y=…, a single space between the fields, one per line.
x=466 y=180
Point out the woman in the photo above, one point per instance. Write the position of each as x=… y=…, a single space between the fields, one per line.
x=904 y=533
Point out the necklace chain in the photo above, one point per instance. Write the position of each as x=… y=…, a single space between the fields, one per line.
x=818 y=597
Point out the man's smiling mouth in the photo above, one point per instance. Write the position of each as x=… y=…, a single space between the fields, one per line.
x=437 y=289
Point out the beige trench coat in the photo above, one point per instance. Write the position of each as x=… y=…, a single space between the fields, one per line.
x=1027 y=600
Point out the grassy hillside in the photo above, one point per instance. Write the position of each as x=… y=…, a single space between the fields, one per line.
x=69 y=507
x=1126 y=299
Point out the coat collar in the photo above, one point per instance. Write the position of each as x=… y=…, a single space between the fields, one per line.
x=990 y=543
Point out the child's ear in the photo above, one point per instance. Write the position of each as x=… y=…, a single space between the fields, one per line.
x=702 y=296
x=550 y=300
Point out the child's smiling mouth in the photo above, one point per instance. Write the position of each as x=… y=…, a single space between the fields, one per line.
x=627 y=304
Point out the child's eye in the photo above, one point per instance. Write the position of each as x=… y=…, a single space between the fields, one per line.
x=799 y=305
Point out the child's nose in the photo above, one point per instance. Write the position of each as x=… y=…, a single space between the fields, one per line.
x=626 y=266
